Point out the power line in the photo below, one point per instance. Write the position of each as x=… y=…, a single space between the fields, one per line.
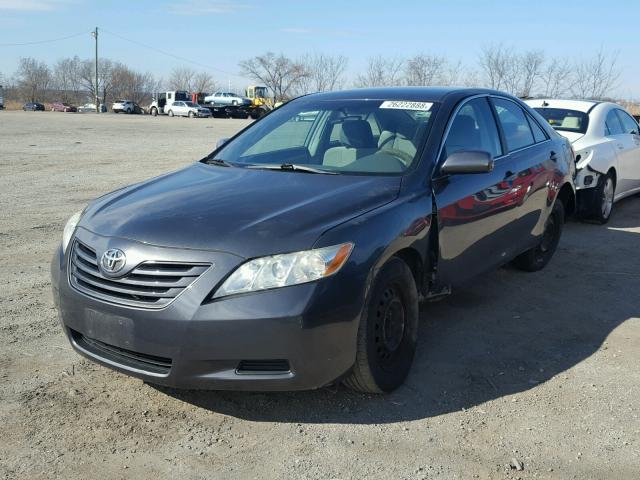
x=39 y=42
x=177 y=57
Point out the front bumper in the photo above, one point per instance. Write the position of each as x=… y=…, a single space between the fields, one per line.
x=310 y=328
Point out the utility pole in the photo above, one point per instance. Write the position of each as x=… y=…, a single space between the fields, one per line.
x=94 y=34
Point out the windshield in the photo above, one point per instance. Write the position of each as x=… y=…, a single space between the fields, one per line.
x=345 y=136
x=565 y=119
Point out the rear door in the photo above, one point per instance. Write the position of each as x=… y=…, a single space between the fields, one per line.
x=629 y=158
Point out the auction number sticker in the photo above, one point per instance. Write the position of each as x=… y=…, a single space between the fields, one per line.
x=406 y=105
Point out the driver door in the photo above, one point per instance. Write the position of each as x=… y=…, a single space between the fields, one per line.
x=474 y=217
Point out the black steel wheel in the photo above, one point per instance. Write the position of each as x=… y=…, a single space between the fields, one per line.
x=388 y=331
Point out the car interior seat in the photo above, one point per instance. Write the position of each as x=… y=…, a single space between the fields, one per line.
x=357 y=141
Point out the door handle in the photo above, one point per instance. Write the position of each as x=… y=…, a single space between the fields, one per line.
x=553 y=156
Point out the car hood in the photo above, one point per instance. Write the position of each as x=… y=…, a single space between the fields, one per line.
x=243 y=211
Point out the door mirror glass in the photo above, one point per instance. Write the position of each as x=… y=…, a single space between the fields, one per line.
x=467 y=161
x=221 y=142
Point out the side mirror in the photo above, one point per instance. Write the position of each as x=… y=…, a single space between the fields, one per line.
x=221 y=142
x=468 y=161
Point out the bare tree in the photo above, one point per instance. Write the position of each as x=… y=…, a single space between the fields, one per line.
x=181 y=78
x=381 y=72
x=280 y=74
x=203 y=82
x=131 y=85
x=530 y=64
x=67 y=78
x=324 y=72
x=495 y=62
x=507 y=70
x=597 y=77
x=556 y=78
x=425 y=69
x=33 y=78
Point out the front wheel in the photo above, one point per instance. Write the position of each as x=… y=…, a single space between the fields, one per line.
x=538 y=257
x=154 y=112
x=388 y=331
x=603 y=204
x=171 y=113
x=191 y=115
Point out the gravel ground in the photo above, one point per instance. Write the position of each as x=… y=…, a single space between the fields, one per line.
x=534 y=371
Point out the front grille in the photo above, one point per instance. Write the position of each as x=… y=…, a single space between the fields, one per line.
x=263 y=366
x=149 y=285
x=139 y=361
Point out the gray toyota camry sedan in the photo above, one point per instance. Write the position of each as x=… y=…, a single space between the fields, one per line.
x=296 y=253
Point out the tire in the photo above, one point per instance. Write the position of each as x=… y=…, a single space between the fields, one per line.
x=388 y=331
x=191 y=115
x=171 y=113
x=603 y=203
x=538 y=257
x=128 y=111
x=154 y=112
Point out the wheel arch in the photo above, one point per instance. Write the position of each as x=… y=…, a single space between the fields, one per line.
x=568 y=198
x=415 y=262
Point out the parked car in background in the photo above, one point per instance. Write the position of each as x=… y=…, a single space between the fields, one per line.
x=63 y=107
x=33 y=107
x=188 y=109
x=125 y=106
x=295 y=254
x=91 y=107
x=226 y=98
x=606 y=140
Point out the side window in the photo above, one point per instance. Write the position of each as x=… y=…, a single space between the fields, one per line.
x=628 y=123
x=474 y=128
x=612 y=124
x=538 y=133
x=516 y=129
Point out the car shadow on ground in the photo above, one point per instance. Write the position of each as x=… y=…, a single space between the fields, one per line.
x=504 y=334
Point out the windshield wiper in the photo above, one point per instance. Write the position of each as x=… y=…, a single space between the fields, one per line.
x=217 y=161
x=292 y=167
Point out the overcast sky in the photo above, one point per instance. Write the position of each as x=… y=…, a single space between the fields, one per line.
x=216 y=34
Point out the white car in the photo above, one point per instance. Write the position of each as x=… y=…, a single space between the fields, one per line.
x=126 y=106
x=226 y=98
x=606 y=140
x=188 y=109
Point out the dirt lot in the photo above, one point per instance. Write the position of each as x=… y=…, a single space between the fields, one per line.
x=541 y=368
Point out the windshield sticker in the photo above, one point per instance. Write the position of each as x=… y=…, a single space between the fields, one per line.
x=405 y=105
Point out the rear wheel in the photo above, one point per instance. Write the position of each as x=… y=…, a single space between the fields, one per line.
x=538 y=257
x=603 y=204
x=171 y=113
x=388 y=331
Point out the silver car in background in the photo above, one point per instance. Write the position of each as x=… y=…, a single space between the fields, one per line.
x=226 y=98
x=188 y=109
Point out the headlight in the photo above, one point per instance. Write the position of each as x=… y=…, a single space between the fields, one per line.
x=285 y=270
x=69 y=228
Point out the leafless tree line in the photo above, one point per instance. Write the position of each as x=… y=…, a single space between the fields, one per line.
x=525 y=74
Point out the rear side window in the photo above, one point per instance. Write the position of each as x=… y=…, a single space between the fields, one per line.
x=474 y=128
x=628 y=124
x=538 y=133
x=516 y=129
x=612 y=124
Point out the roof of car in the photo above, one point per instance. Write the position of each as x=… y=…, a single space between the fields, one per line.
x=579 y=105
x=433 y=94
